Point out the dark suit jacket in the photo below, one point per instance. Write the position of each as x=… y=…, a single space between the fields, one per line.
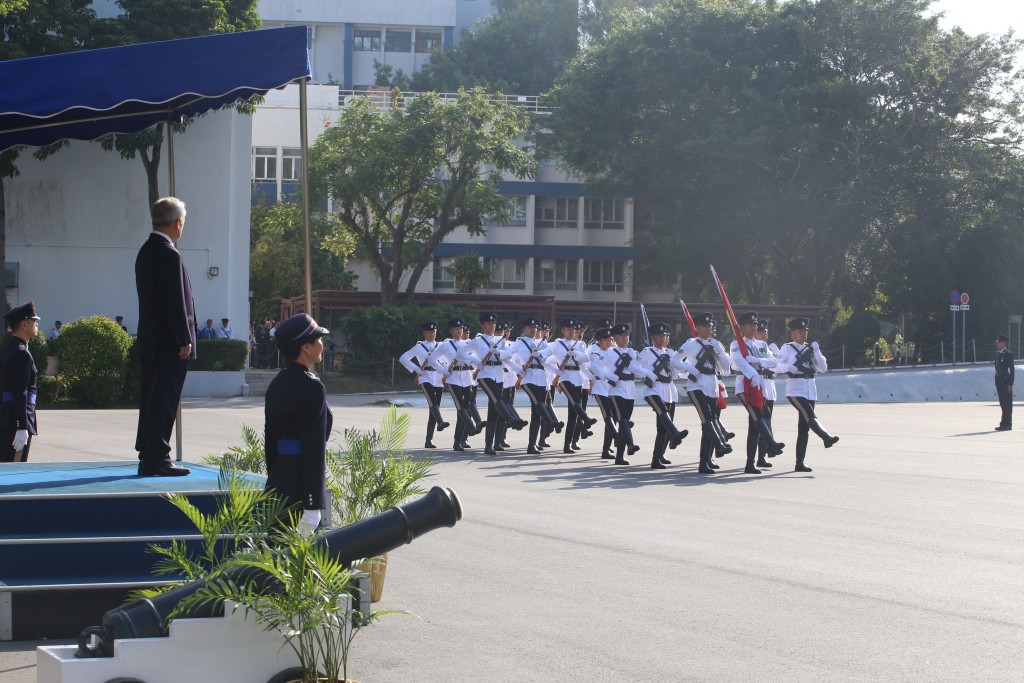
x=18 y=384
x=167 y=318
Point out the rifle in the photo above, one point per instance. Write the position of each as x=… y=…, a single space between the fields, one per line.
x=488 y=355
x=755 y=396
x=647 y=323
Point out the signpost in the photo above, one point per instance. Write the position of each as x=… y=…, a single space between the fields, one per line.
x=954 y=306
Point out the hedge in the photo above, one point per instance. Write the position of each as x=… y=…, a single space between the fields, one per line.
x=220 y=355
x=94 y=360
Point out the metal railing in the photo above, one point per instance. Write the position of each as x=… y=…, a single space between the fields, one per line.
x=387 y=98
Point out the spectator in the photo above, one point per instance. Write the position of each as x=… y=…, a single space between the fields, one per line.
x=208 y=332
x=224 y=332
x=55 y=332
x=120 y=321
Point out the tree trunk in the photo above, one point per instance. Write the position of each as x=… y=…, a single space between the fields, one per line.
x=152 y=166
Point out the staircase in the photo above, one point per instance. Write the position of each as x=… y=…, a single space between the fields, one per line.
x=74 y=540
x=259 y=380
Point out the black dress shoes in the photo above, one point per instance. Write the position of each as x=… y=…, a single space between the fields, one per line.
x=657 y=465
x=607 y=456
x=429 y=444
x=802 y=468
x=1003 y=428
x=489 y=451
x=165 y=469
x=532 y=450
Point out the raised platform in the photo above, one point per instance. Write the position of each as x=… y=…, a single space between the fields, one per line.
x=75 y=539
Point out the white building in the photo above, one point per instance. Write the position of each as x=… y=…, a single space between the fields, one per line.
x=561 y=241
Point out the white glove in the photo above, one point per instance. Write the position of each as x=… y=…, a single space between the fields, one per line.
x=756 y=382
x=309 y=521
x=20 y=439
x=814 y=345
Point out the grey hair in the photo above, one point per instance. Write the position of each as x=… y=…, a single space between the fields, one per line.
x=166 y=210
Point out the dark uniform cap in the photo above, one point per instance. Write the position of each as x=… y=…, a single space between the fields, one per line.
x=298 y=330
x=508 y=324
x=1002 y=338
x=799 y=323
x=570 y=322
x=223 y=320
x=747 y=318
x=704 y=319
x=430 y=325
x=580 y=325
x=26 y=311
x=604 y=333
x=530 y=322
x=488 y=318
x=545 y=326
x=763 y=324
x=659 y=328
x=603 y=322
x=500 y=326
x=456 y=322
x=621 y=328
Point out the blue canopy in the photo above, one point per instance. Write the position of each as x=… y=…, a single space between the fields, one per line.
x=85 y=95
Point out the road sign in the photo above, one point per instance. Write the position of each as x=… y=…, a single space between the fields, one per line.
x=965 y=298
x=955 y=307
x=1016 y=319
x=954 y=296
x=964 y=307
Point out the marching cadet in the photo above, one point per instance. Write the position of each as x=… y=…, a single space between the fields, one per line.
x=510 y=373
x=543 y=333
x=708 y=358
x=582 y=431
x=18 y=383
x=489 y=353
x=567 y=358
x=428 y=378
x=769 y=354
x=459 y=380
x=619 y=367
x=660 y=366
x=599 y=389
x=803 y=362
x=749 y=369
x=528 y=353
x=1004 y=382
x=722 y=399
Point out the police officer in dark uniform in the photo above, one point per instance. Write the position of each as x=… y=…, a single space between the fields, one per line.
x=18 y=384
x=1004 y=382
x=298 y=421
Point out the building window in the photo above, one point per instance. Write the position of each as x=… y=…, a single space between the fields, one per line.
x=291 y=163
x=428 y=41
x=366 y=40
x=264 y=163
x=443 y=278
x=517 y=216
x=604 y=276
x=603 y=213
x=554 y=274
x=556 y=212
x=397 y=41
x=507 y=273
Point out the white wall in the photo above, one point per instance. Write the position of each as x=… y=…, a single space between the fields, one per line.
x=418 y=12
x=76 y=221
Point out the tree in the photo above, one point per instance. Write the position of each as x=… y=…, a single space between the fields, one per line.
x=277 y=255
x=402 y=180
x=838 y=149
x=469 y=273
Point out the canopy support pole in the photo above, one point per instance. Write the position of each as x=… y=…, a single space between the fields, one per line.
x=172 y=191
x=304 y=143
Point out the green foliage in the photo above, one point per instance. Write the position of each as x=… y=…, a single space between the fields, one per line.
x=469 y=273
x=251 y=456
x=379 y=333
x=374 y=473
x=94 y=360
x=51 y=390
x=220 y=355
x=403 y=179
x=244 y=516
x=40 y=350
x=277 y=255
x=386 y=75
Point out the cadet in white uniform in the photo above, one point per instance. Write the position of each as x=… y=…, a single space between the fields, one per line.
x=488 y=352
x=428 y=378
x=566 y=360
x=459 y=380
x=769 y=354
x=749 y=368
x=661 y=366
x=599 y=389
x=529 y=353
x=803 y=362
x=619 y=367
x=708 y=358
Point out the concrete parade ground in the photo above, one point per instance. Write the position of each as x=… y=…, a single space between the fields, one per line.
x=899 y=558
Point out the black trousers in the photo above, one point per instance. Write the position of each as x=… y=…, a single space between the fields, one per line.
x=623 y=409
x=508 y=394
x=766 y=411
x=7 y=447
x=461 y=396
x=805 y=409
x=659 y=406
x=433 y=395
x=753 y=434
x=584 y=400
x=495 y=395
x=541 y=413
x=706 y=407
x=1006 y=403
x=604 y=403
x=574 y=399
x=160 y=392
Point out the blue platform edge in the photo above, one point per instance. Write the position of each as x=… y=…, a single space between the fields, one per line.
x=27 y=480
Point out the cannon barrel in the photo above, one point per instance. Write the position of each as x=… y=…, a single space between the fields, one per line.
x=370 y=537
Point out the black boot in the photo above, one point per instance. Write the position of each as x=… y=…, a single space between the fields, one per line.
x=656 y=463
x=774 y=447
x=710 y=432
x=826 y=438
x=761 y=462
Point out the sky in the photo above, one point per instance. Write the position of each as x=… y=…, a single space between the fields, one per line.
x=982 y=16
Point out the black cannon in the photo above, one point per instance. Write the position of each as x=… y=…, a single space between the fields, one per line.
x=377 y=535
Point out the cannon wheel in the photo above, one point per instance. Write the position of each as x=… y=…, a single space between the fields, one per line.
x=125 y=680
x=295 y=673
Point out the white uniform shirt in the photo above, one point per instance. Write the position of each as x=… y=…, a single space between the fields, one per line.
x=224 y=332
x=570 y=356
x=487 y=353
x=459 y=374
x=674 y=367
x=719 y=360
x=421 y=351
x=744 y=367
x=530 y=355
x=801 y=387
x=766 y=360
x=625 y=388
x=598 y=385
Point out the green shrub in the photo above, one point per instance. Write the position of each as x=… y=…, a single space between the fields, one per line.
x=94 y=360
x=220 y=355
x=51 y=391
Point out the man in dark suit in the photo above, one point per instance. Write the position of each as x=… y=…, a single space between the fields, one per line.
x=18 y=385
x=166 y=337
x=1004 y=382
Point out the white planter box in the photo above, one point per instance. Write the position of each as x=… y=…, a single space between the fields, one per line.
x=204 y=384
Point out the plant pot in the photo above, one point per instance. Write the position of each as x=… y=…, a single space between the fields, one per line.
x=376 y=567
x=294 y=675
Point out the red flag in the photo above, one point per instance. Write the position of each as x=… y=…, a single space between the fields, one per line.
x=689 y=319
x=755 y=396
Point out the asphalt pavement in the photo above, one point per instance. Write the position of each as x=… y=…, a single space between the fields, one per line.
x=899 y=558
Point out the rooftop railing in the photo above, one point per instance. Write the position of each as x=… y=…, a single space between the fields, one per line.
x=385 y=98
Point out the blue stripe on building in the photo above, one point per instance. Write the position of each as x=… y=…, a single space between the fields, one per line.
x=346 y=71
